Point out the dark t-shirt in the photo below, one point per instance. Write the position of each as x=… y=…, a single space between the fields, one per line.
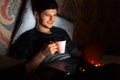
x=32 y=41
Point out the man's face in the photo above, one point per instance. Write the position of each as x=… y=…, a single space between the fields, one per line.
x=47 y=18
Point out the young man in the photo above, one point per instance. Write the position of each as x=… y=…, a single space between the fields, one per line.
x=38 y=45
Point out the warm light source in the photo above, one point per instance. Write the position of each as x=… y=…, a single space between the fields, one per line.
x=97 y=65
x=94 y=52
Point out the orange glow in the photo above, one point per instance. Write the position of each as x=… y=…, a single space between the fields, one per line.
x=97 y=65
x=94 y=52
x=92 y=62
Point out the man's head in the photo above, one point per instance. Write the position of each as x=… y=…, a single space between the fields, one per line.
x=41 y=5
x=45 y=12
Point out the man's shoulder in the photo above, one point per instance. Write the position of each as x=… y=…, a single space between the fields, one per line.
x=26 y=36
x=28 y=33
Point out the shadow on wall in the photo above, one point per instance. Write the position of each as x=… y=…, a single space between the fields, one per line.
x=98 y=21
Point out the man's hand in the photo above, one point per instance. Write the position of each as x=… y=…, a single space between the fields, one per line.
x=49 y=49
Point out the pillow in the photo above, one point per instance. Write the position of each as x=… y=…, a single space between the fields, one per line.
x=64 y=24
x=28 y=22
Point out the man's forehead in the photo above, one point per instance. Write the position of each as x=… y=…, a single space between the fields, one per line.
x=50 y=11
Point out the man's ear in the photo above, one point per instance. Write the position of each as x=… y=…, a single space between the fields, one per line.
x=36 y=14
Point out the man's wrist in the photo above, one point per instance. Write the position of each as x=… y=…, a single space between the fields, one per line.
x=42 y=54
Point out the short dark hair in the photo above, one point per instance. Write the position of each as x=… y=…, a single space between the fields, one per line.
x=41 y=5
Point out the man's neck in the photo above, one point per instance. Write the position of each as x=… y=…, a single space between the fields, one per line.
x=43 y=29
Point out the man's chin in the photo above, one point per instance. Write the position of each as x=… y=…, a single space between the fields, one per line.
x=50 y=26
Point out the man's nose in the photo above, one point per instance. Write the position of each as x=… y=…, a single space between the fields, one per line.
x=51 y=18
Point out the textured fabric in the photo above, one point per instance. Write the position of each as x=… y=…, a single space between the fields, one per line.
x=32 y=41
x=8 y=15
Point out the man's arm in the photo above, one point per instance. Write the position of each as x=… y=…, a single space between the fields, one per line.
x=48 y=50
x=33 y=64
